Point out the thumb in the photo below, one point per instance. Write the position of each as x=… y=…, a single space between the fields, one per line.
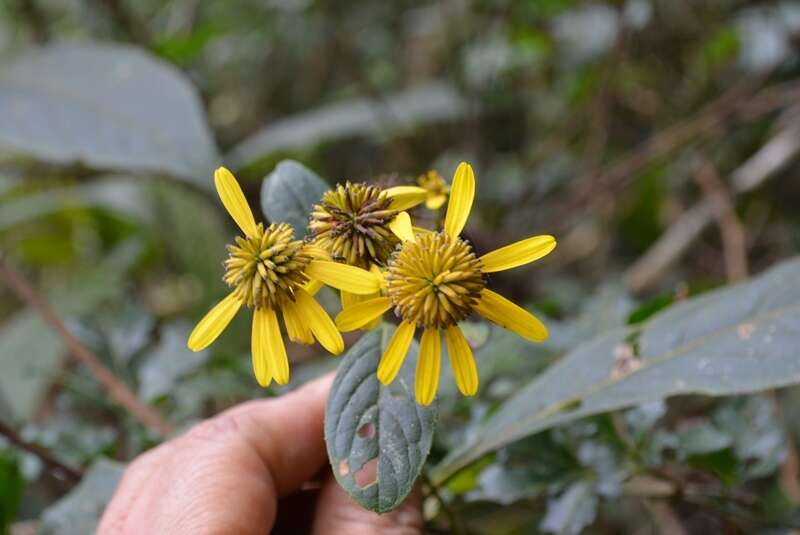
x=337 y=513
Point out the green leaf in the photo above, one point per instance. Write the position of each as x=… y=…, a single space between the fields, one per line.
x=730 y=341
x=79 y=511
x=11 y=487
x=168 y=362
x=369 y=425
x=289 y=192
x=108 y=107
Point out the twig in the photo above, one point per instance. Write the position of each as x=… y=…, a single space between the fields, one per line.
x=117 y=390
x=47 y=458
x=666 y=519
x=734 y=242
x=769 y=159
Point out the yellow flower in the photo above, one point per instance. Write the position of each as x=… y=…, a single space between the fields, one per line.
x=361 y=225
x=437 y=189
x=270 y=271
x=434 y=281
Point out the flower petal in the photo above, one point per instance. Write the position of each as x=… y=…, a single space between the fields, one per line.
x=503 y=312
x=402 y=228
x=462 y=361
x=276 y=351
x=313 y=286
x=296 y=328
x=358 y=315
x=343 y=277
x=319 y=322
x=395 y=352
x=258 y=348
x=234 y=201
x=213 y=323
x=405 y=197
x=428 y=366
x=435 y=202
x=461 y=195
x=517 y=254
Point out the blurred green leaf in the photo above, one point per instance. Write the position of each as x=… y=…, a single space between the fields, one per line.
x=108 y=107
x=11 y=487
x=289 y=192
x=378 y=437
x=730 y=341
x=79 y=511
x=168 y=362
x=428 y=103
x=572 y=511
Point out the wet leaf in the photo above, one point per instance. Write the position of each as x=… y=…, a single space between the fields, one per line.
x=378 y=437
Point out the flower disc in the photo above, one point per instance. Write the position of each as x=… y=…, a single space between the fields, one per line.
x=266 y=268
x=434 y=281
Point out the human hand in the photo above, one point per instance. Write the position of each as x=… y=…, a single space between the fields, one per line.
x=227 y=474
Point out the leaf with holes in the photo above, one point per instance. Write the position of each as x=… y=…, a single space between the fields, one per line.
x=289 y=192
x=378 y=437
x=108 y=107
x=734 y=340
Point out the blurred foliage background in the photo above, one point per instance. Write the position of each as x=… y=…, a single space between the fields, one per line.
x=656 y=139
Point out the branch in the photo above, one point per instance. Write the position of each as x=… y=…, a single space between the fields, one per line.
x=734 y=242
x=47 y=458
x=770 y=158
x=738 y=103
x=117 y=390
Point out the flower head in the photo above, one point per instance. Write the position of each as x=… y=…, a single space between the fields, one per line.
x=437 y=189
x=357 y=224
x=434 y=281
x=269 y=271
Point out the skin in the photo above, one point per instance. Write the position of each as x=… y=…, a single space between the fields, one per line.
x=247 y=471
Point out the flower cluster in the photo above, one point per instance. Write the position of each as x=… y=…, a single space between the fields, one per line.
x=363 y=243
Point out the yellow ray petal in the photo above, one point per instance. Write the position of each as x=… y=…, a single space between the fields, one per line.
x=276 y=351
x=258 y=348
x=462 y=361
x=496 y=308
x=343 y=277
x=422 y=230
x=313 y=286
x=402 y=228
x=461 y=195
x=517 y=254
x=234 y=201
x=405 y=197
x=435 y=202
x=319 y=322
x=296 y=328
x=428 y=366
x=349 y=300
x=395 y=353
x=360 y=314
x=213 y=323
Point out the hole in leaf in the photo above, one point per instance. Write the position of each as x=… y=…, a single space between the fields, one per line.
x=344 y=468
x=368 y=474
x=367 y=430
